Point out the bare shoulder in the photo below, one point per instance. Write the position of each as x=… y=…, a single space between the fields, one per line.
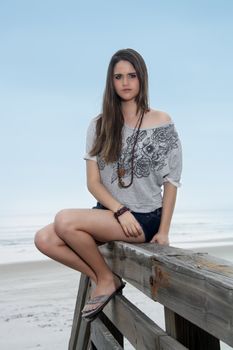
x=156 y=117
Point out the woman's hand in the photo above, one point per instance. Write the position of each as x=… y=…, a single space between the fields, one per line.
x=160 y=238
x=130 y=225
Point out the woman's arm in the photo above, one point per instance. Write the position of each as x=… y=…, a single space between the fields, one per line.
x=97 y=189
x=128 y=223
x=169 y=200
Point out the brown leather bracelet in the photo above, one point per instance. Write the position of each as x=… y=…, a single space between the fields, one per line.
x=120 y=212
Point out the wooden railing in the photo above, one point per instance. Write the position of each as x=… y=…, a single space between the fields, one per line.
x=195 y=289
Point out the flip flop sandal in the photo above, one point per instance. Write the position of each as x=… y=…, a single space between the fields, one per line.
x=103 y=299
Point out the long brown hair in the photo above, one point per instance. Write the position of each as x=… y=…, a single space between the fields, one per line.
x=109 y=126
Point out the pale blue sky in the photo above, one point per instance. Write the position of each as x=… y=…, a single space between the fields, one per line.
x=53 y=62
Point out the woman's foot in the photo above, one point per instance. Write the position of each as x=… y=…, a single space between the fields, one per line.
x=103 y=293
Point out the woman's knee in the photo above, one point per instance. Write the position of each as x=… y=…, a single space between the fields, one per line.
x=39 y=239
x=63 y=223
x=42 y=240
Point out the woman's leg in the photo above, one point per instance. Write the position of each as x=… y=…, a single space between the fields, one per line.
x=80 y=229
x=48 y=242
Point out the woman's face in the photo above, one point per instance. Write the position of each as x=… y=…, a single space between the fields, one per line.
x=125 y=80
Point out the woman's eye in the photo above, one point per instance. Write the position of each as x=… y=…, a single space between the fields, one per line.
x=132 y=75
x=118 y=76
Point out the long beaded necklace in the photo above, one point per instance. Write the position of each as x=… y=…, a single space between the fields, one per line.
x=120 y=167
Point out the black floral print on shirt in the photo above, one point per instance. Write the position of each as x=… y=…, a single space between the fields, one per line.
x=150 y=154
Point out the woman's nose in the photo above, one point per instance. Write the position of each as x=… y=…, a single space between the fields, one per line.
x=125 y=80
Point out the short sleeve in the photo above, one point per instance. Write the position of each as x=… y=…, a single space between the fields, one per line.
x=174 y=165
x=90 y=138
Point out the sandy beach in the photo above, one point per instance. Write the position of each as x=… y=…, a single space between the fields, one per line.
x=221 y=252
x=37 y=301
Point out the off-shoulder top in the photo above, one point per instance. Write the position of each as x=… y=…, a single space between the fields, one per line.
x=157 y=159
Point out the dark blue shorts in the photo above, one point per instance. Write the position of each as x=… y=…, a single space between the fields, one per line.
x=149 y=222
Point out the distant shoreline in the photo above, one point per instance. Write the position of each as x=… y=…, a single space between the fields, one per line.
x=224 y=252
x=221 y=252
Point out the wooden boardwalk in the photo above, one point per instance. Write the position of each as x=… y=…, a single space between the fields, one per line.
x=196 y=290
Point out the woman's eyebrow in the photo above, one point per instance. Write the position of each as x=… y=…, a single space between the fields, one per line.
x=126 y=73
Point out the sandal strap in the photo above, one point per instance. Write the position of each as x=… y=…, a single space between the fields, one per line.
x=98 y=299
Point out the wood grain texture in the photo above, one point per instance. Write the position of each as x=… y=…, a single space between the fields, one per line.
x=139 y=329
x=194 y=285
x=102 y=337
x=188 y=334
x=80 y=332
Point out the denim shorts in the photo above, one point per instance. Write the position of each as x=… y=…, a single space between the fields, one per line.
x=149 y=222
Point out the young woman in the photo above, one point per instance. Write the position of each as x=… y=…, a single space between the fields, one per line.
x=132 y=152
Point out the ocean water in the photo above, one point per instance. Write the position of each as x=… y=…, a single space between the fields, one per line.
x=188 y=230
x=17 y=237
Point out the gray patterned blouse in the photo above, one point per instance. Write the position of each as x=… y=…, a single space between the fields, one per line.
x=157 y=159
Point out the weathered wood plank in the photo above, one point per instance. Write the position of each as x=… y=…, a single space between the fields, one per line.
x=196 y=286
x=167 y=343
x=80 y=332
x=83 y=336
x=189 y=334
x=92 y=346
x=112 y=328
x=102 y=338
x=139 y=329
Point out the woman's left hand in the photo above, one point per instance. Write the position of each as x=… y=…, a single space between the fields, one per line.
x=160 y=238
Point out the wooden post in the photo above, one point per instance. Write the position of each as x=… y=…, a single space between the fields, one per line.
x=80 y=333
x=189 y=334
